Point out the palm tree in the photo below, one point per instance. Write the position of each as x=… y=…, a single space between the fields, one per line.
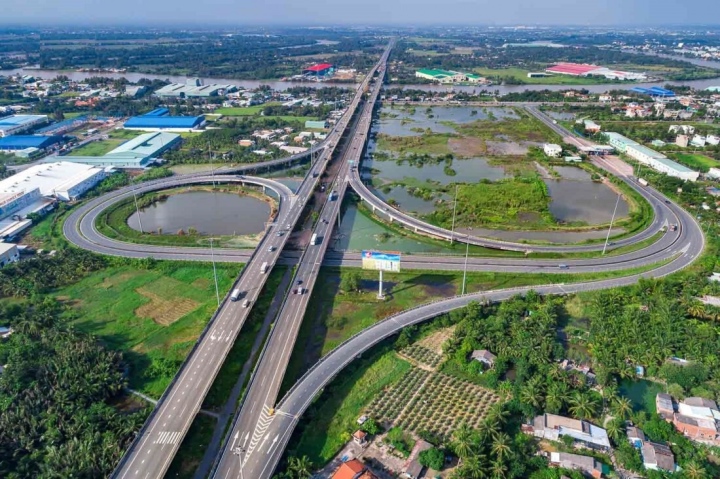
x=530 y=394
x=693 y=470
x=505 y=390
x=498 y=470
x=622 y=407
x=302 y=467
x=463 y=441
x=582 y=405
x=498 y=414
x=556 y=397
x=501 y=446
x=473 y=467
x=614 y=430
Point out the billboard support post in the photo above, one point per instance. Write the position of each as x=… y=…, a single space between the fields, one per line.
x=380 y=289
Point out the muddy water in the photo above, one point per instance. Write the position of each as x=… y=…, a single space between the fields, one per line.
x=209 y=213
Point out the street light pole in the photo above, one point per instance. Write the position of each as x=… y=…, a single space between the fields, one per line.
x=212 y=255
x=137 y=210
x=617 y=202
x=467 y=251
x=452 y=230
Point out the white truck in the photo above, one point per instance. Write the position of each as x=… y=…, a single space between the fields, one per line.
x=264 y=267
x=235 y=294
x=314 y=239
x=642 y=181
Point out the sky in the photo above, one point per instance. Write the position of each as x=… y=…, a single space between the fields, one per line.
x=395 y=12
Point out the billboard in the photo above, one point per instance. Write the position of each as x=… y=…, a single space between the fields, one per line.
x=381 y=261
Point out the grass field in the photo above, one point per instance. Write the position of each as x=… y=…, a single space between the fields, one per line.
x=431 y=144
x=332 y=316
x=241 y=111
x=153 y=316
x=328 y=424
x=97 y=148
x=696 y=160
x=124 y=134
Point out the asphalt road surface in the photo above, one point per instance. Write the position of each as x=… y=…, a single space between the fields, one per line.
x=155 y=446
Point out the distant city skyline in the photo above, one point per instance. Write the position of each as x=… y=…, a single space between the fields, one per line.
x=381 y=12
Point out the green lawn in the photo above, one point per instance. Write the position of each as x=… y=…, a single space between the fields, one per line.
x=241 y=111
x=430 y=144
x=97 y=148
x=333 y=316
x=696 y=161
x=124 y=134
x=153 y=316
x=329 y=423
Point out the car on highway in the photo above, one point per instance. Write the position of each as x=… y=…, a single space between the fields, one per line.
x=246 y=303
x=298 y=281
x=271 y=249
x=279 y=233
x=563 y=266
x=299 y=290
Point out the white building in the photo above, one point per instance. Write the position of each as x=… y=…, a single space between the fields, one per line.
x=659 y=162
x=698 y=141
x=552 y=150
x=713 y=174
x=8 y=253
x=14 y=124
x=712 y=140
x=29 y=190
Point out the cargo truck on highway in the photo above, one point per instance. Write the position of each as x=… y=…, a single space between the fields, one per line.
x=264 y=267
x=314 y=239
x=235 y=294
x=642 y=181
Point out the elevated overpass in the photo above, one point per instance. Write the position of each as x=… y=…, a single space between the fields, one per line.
x=150 y=454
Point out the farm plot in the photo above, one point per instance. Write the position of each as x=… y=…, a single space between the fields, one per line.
x=432 y=402
x=428 y=351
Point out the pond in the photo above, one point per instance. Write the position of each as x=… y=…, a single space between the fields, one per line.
x=208 y=212
x=403 y=121
x=358 y=232
x=576 y=198
x=641 y=393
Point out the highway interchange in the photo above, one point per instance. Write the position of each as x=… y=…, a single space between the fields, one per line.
x=263 y=425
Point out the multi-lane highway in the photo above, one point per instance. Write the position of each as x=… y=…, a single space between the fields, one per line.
x=249 y=446
x=263 y=426
x=151 y=453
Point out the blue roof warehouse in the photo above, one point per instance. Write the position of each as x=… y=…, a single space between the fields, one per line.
x=23 y=142
x=155 y=121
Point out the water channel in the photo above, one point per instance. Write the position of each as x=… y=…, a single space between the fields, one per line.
x=210 y=213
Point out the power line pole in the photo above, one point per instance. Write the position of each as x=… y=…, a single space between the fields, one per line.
x=212 y=255
x=467 y=251
x=617 y=202
x=452 y=230
x=137 y=210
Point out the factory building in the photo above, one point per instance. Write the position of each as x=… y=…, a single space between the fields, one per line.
x=14 y=124
x=441 y=76
x=651 y=158
x=165 y=123
x=578 y=69
x=137 y=153
x=36 y=190
x=320 y=70
x=23 y=142
x=193 y=88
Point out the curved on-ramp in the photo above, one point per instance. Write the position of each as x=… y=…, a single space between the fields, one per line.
x=80 y=227
x=305 y=390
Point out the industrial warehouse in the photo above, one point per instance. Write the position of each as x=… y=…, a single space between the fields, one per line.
x=320 y=71
x=36 y=189
x=159 y=120
x=448 y=76
x=582 y=70
x=651 y=158
x=194 y=88
x=14 y=124
x=137 y=153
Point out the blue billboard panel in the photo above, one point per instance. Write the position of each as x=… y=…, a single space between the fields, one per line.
x=381 y=261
